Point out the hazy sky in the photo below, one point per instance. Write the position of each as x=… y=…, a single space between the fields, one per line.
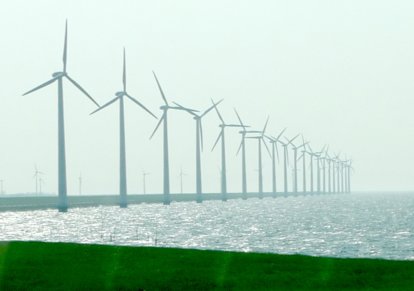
x=340 y=72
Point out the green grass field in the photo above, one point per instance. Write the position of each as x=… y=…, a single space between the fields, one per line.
x=38 y=266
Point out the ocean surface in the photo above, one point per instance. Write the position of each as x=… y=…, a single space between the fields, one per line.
x=371 y=225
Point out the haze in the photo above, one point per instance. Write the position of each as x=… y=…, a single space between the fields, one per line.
x=339 y=72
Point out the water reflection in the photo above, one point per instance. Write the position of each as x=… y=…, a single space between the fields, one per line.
x=357 y=225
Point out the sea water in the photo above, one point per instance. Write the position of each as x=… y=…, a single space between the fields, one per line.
x=372 y=225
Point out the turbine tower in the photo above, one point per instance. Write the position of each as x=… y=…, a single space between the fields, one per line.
x=164 y=120
x=295 y=162
x=304 y=164
x=337 y=162
x=311 y=155
x=285 y=164
x=329 y=160
x=273 y=141
x=260 y=140
x=348 y=180
x=318 y=172
x=119 y=96
x=199 y=146
x=333 y=160
x=323 y=158
x=242 y=147
x=221 y=136
x=59 y=76
x=37 y=178
x=144 y=184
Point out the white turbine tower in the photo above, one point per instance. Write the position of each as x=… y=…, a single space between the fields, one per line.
x=59 y=76
x=199 y=146
x=119 y=96
x=260 y=140
x=221 y=137
x=166 y=159
x=273 y=141
x=242 y=147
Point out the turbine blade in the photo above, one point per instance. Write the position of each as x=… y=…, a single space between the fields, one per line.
x=240 y=146
x=280 y=134
x=191 y=111
x=217 y=140
x=301 y=156
x=211 y=107
x=264 y=128
x=201 y=135
x=105 y=105
x=238 y=117
x=81 y=89
x=124 y=73
x=218 y=113
x=302 y=145
x=159 y=87
x=65 y=47
x=158 y=124
x=237 y=125
x=141 y=105
x=293 y=138
x=267 y=148
x=287 y=155
x=41 y=86
x=277 y=151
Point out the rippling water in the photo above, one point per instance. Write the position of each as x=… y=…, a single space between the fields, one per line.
x=356 y=225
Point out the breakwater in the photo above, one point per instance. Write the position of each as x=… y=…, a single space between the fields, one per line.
x=51 y=202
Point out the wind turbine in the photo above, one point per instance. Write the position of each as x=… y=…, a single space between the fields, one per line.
x=323 y=158
x=144 y=185
x=311 y=154
x=295 y=164
x=273 y=141
x=348 y=181
x=286 y=160
x=337 y=177
x=40 y=185
x=304 y=164
x=36 y=176
x=199 y=145
x=59 y=76
x=242 y=147
x=260 y=140
x=318 y=165
x=221 y=136
x=80 y=183
x=343 y=164
x=119 y=96
x=329 y=160
x=181 y=179
x=164 y=120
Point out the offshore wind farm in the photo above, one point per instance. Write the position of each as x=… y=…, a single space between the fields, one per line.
x=343 y=166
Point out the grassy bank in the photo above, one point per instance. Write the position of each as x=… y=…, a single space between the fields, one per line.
x=33 y=265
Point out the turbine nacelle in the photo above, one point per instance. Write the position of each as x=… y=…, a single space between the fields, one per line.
x=58 y=74
x=120 y=93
